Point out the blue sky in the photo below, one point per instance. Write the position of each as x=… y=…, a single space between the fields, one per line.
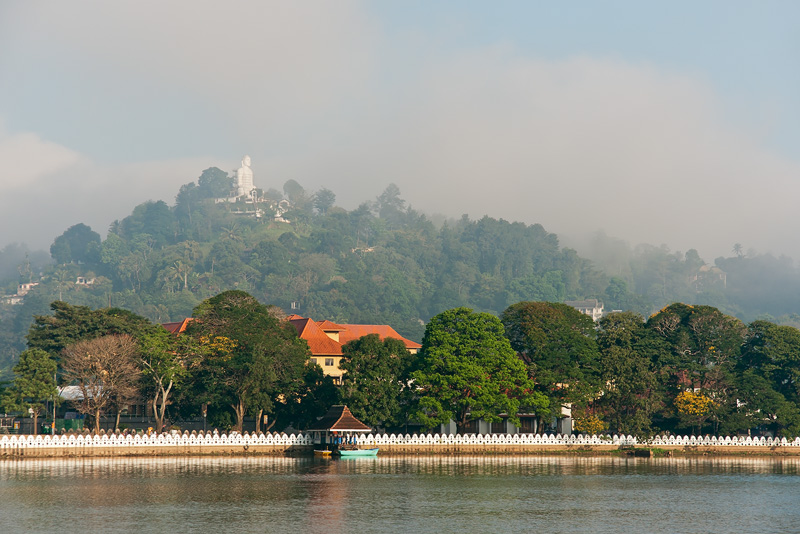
x=661 y=120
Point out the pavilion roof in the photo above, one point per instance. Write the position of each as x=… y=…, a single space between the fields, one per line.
x=339 y=419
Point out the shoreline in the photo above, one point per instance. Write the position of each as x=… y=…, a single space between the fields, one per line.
x=406 y=450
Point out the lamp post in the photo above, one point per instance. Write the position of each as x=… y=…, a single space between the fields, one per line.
x=205 y=412
x=55 y=398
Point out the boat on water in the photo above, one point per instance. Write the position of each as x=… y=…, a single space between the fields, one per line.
x=337 y=433
x=357 y=453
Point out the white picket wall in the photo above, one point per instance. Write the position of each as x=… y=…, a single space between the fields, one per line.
x=236 y=439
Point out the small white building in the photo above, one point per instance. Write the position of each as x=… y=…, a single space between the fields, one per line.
x=591 y=307
x=19 y=296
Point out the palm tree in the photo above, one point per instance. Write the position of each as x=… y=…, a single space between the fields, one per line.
x=232 y=232
x=180 y=271
x=63 y=281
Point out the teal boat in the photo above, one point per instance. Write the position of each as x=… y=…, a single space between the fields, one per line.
x=356 y=453
x=338 y=431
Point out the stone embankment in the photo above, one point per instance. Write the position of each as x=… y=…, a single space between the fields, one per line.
x=175 y=444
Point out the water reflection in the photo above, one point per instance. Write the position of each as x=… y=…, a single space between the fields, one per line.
x=390 y=494
x=317 y=469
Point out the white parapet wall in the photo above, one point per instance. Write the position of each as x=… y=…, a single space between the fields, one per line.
x=210 y=441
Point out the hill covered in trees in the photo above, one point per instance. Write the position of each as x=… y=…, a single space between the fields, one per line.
x=382 y=262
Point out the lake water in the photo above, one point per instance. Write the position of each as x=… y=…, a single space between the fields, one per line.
x=394 y=495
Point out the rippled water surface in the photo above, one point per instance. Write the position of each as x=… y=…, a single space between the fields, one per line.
x=393 y=495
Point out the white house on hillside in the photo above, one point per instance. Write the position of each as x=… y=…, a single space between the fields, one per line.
x=591 y=307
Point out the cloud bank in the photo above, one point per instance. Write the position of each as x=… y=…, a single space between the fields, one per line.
x=322 y=93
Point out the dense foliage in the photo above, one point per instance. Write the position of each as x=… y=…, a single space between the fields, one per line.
x=382 y=262
x=385 y=263
x=377 y=384
x=468 y=370
x=252 y=356
x=686 y=369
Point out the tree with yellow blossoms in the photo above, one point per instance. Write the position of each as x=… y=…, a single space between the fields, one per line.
x=693 y=408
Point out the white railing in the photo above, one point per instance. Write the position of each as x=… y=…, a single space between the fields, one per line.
x=235 y=439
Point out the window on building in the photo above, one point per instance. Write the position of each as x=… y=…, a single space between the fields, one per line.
x=471 y=427
x=329 y=362
x=313 y=361
x=527 y=425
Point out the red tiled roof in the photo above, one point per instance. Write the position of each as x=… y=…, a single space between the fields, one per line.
x=322 y=345
x=329 y=326
x=355 y=331
x=314 y=333
x=178 y=327
x=318 y=341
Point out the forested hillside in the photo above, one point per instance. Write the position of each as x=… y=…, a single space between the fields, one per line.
x=380 y=263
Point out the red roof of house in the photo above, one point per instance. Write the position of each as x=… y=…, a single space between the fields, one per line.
x=323 y=345
x=318 y=341
x=331 y=327
x=355 y=331
x=178 y=327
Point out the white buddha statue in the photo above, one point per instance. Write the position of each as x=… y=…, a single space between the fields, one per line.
x=244 y=179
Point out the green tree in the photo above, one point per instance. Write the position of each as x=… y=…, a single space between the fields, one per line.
x=294 y=191
x=390 y=206
x=302 y=406
x=214 y=183
x=467 y=370
x=79 y=244
x=154 y=219
x=769 y=383
x=165 y=360
x=375 y=385
x=70 y=324
x=630 y=393
x=557 y=342
x=774 y=352
x=323 y=200
x=253 y=355
x=34 y=385
x=761 y=408
x=701 y=349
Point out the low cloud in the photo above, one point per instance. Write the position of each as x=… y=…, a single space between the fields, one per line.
x=323 y=94
x=48 y=188
x=579 y=145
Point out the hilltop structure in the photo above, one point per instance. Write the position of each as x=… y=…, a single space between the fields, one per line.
x=244 y=179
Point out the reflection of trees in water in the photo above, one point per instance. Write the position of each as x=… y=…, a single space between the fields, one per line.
x=309 y=470
x=399 y=494
x=562 y=465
